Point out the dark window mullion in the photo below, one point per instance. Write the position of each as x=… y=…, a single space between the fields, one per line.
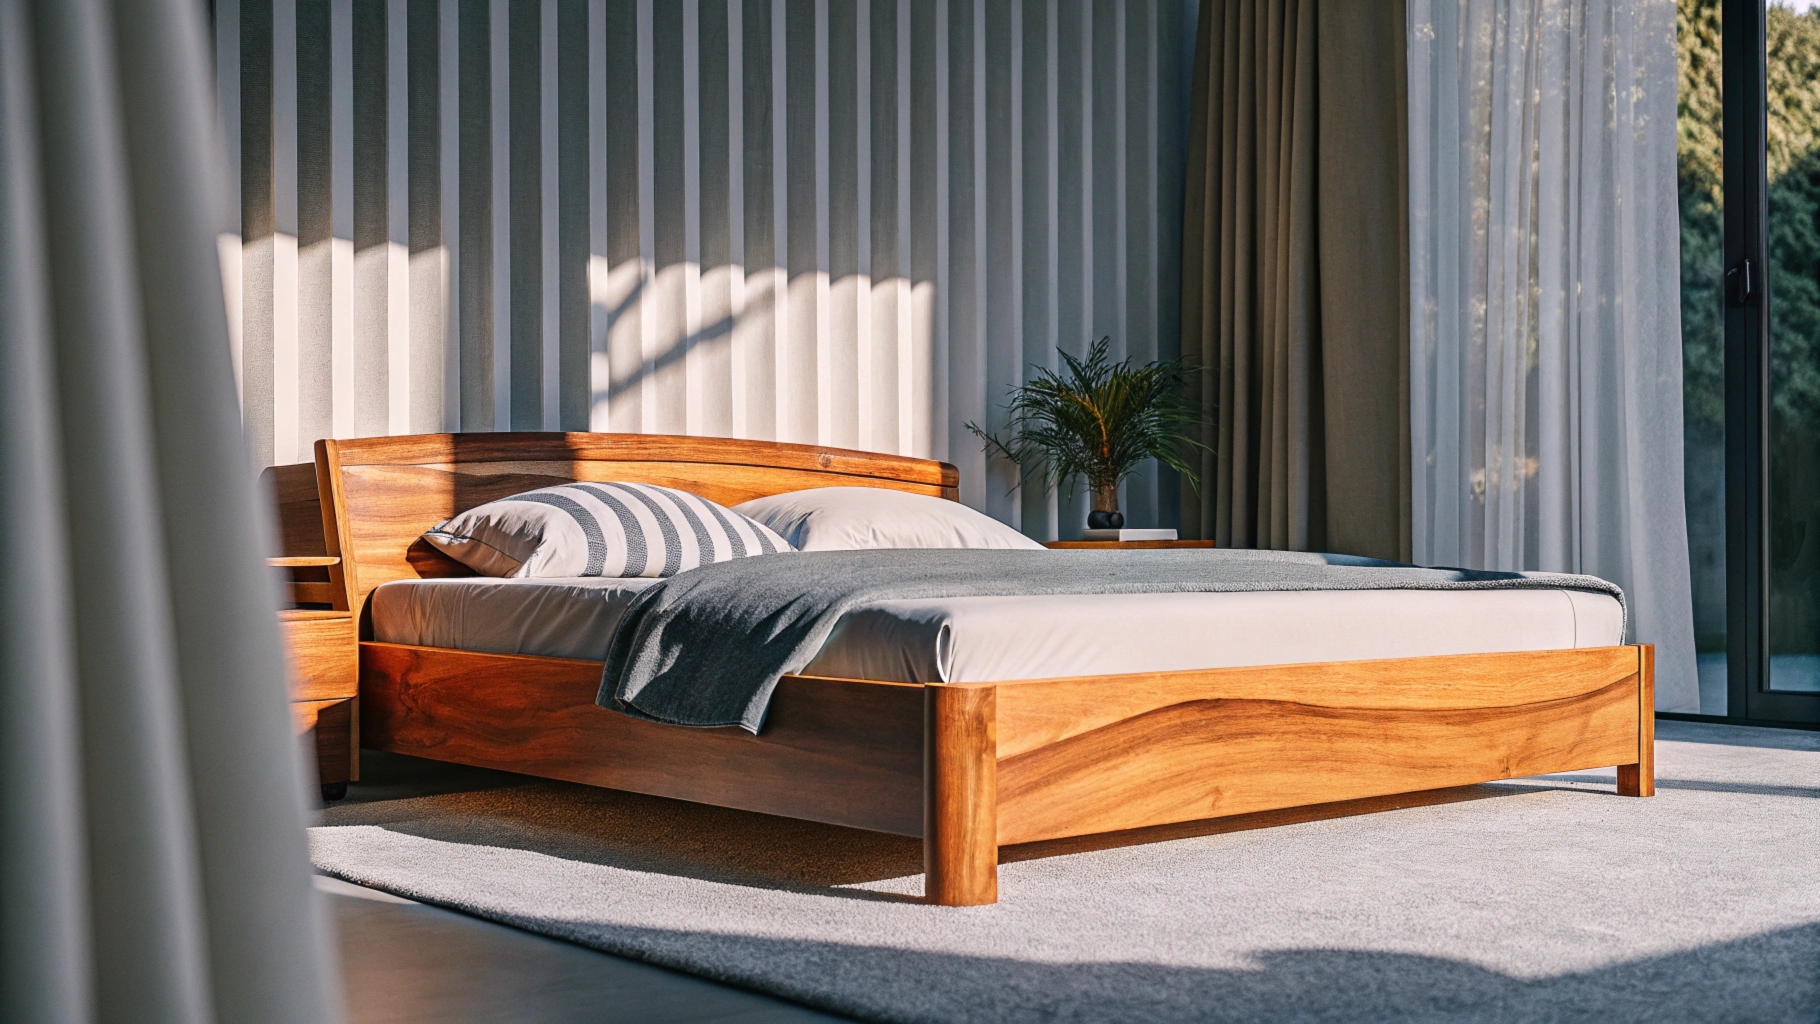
x=1746 y=353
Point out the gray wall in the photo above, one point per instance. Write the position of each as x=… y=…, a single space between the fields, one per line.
x=846 y=222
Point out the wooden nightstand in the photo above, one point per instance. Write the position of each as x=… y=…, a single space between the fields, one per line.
x=1127 y=545
x=319 y=632
x=325 y=691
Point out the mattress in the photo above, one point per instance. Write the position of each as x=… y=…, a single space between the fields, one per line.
x=990 y=639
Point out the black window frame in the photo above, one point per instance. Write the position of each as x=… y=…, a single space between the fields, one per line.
x=1748 y=309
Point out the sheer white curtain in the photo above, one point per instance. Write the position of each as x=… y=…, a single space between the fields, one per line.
x=153 y=866
x=1545 y=334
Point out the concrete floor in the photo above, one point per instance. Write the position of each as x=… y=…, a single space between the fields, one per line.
x=404 y=962
x=409 y=963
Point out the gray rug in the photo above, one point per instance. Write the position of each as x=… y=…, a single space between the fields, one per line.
x=1547 y=899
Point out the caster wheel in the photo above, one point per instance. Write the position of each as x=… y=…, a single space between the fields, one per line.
x=333 y=791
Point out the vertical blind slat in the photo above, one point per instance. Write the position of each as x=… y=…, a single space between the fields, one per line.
x=852 y=222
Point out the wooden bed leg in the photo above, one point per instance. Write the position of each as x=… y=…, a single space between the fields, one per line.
x=960 y=795
x=1639 y=779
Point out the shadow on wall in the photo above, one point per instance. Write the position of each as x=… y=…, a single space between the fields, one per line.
x=622 y=381
x=619 y=307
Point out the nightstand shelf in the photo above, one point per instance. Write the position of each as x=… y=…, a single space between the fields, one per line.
x=313 y=579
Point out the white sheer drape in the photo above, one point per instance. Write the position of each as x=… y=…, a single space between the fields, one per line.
x=1545 y=335
x=153 y=866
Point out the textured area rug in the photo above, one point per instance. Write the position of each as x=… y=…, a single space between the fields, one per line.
x=1543 y=899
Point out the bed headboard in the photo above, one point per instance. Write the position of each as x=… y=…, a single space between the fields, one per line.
x=381 y=493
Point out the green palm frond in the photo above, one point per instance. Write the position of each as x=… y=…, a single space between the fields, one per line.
x=1097 y=420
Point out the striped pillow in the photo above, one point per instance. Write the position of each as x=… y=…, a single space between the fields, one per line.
x=600 y=529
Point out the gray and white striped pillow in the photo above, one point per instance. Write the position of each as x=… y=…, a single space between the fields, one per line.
x=600 y=529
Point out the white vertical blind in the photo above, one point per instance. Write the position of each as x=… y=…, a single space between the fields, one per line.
x=844 y=222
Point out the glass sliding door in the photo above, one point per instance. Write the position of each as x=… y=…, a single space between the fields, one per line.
x=1749 y=175
x=1700 y=156
x=1791 y=689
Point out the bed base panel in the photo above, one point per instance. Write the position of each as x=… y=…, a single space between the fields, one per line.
x=972 y=767
x=833 y=751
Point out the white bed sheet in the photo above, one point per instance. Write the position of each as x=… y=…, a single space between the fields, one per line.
x=988 y=639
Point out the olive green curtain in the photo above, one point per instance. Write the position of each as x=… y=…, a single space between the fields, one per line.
x=1295 y=264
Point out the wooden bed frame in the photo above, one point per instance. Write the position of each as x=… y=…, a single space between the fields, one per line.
x=968 y=767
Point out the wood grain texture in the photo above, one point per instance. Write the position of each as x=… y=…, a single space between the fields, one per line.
x=1639 y=779
x=331 y=509
x=385 y=492
x=323 y=659
x=314 y=592
x=1207 y=757
x=503 y=446
x=293 y=493
x=960 y=802
x=838 y=751
x=331 y=726
x=302 y=561
x=1040 y=712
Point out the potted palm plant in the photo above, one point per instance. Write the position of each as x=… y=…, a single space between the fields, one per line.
x=1097 y=420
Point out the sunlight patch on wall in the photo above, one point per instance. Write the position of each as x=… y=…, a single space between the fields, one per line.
x=841 y=222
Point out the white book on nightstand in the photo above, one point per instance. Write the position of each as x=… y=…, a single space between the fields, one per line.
x=1128 y=534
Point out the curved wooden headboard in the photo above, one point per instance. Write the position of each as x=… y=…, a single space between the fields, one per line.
x=381 y=493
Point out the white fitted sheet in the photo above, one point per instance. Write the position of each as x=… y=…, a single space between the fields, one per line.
x=988 y=639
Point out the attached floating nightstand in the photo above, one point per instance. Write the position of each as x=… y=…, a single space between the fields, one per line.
x=318 y=632
x=309 y=587
x=325 y=691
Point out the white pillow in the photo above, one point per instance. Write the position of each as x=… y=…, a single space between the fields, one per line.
x=849 y=518
x=600 y=529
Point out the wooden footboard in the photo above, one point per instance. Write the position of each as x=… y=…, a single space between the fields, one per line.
x=1079 y=756
x=972 y=767
x=1088 y=755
